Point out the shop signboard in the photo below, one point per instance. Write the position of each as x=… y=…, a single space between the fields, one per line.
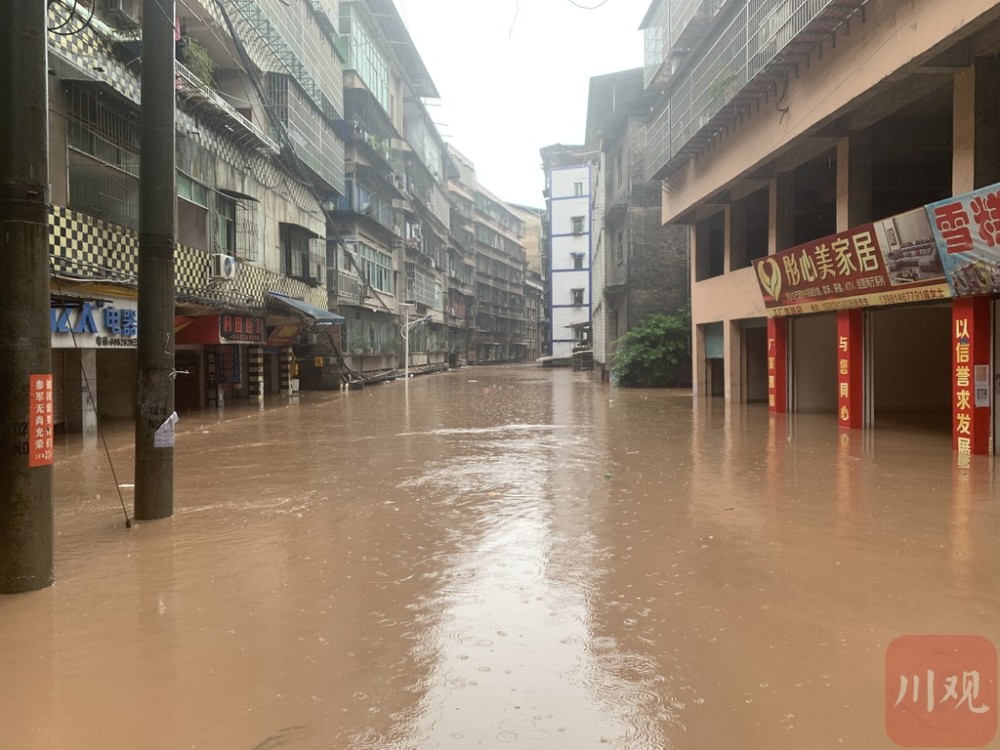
x=89 y=324
x=967 y=230
x=226 y=328
x=888 y=262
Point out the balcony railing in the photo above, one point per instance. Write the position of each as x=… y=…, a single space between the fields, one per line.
x=192 y=91
x=750 y=56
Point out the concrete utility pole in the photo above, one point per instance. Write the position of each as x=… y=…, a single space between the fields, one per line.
x=154 y=458
x=25 y=344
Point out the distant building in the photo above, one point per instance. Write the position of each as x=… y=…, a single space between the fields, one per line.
x=640 y=267
x=569 y=174
x=494 y=233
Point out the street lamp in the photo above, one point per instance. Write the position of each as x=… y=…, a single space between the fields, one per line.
x=404 y=331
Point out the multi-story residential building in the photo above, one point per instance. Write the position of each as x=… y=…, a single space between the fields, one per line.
x=498 y=312
x=390 y=259
x=837 y=165
x=535 y=328
x=259 y=92
x=568 y=190
x=639 y=266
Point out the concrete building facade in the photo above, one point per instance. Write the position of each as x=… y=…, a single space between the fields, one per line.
x=640 y=266
x=836 y=172
x=569 y=175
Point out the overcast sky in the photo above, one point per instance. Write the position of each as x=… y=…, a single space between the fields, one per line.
x=514 y=76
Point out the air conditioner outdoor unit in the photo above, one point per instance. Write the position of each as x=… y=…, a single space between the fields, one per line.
x=124 y=11
x=223 y=266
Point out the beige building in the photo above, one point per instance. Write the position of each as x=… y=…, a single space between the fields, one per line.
x=793 y=132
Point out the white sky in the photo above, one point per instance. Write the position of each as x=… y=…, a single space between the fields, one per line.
x=514 y=76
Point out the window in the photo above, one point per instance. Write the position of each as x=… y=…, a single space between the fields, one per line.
x=225 y=226
x=577 y=222
x=303 y=255
x=578 y=188
x=102 y=157
x=577 y=297
x=577 y=261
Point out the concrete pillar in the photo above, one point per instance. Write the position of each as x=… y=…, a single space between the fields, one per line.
x=854 y=181
x=850 y=368
x=699 y=365
x=285 y=372
x=255 y=373
x=963 y=132
x=736 y=236
x=970 y=354
x=976 y=132
x=732 y=341
x=781 y=213
x=80 y=392
x=777 y=365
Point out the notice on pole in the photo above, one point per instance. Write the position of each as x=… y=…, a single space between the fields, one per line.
x=39 y=426
x=164 y=435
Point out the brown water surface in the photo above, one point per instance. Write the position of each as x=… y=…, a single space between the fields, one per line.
x=497 y=557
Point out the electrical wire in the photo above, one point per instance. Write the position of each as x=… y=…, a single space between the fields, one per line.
x=587 y=7
x=72 y=13
x=100 y=432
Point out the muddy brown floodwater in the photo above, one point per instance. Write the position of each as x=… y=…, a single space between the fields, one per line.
x=497 y=557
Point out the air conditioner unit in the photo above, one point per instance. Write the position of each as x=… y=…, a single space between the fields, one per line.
x=124 y=12
x=223 y=266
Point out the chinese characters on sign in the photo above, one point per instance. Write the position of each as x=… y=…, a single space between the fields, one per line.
x=105 y=326
x=941 y=691
x=850 y=368
x=967 y=229
x=40 y=421
x=776 y=364
x=962 y=410
x=888 y=262
x=246 y=328
x=211 y=377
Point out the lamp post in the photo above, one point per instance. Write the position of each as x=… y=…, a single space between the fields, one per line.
x=404 y=331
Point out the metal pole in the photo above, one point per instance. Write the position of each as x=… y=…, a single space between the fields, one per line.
x=406 y=348
x=26 y=525
x=154 y=464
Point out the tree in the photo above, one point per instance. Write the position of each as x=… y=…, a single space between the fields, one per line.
x=656 y=353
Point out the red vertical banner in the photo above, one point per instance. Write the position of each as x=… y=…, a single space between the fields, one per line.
x=970 y=355
x=850 y=368
x=777 y=365
x=40 y=451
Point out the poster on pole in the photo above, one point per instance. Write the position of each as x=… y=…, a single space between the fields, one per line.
x=40 y=451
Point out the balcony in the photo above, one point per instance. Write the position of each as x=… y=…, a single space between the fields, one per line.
x=204 y=103
x=764 y=41
x=348 y=288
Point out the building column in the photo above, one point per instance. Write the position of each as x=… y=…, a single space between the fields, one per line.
x=733 y=361
x=81 y=396
x=850 y=368
x=255 y=373
x=976 y=134
x=781 y=213
x=777 y=365
x=699 y=365
x=854 y=181
x=286 y=367
x=970 y=356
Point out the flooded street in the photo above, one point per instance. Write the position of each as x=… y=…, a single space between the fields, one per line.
x=498 y=557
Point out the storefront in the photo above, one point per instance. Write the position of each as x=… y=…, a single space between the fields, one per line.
x=93 y=359
x=219 y=359
x=891 y=322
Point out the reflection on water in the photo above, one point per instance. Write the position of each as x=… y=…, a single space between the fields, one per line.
x=498 y=557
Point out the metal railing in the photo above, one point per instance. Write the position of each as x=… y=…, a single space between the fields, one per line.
x=763 y=40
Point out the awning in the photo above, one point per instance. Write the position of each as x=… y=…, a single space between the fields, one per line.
x=300 y=307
